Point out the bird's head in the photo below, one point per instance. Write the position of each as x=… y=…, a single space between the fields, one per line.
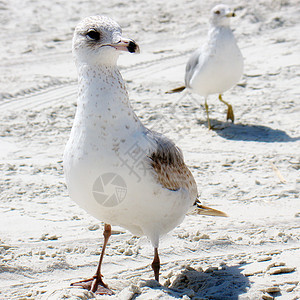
x=221 y=14
x=98 y=40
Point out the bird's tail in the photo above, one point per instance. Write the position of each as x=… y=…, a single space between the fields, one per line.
x=208 y=211
x=177 y=90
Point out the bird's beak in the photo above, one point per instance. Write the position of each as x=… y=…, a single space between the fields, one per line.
x=127 y=45
x=230 y=14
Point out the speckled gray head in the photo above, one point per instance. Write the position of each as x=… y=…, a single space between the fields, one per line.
x=98 y=40
x=221 y=14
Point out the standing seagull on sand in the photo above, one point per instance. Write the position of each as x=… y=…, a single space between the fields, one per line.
x=218 y=65
x=96 y=157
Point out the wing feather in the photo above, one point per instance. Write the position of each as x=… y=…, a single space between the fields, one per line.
x=169 y=167
x=191 y=66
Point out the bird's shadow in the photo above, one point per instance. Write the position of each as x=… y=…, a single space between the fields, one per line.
x=215 y=283
x=247 y=132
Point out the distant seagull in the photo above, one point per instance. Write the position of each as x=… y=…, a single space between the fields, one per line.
x=116 y=169
x=217 y=65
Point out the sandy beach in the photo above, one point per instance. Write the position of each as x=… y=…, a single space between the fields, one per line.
x=249 y=169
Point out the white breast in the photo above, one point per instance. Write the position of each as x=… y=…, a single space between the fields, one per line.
x=220 y=64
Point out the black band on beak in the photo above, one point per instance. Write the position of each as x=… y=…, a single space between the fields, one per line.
x=132 y=47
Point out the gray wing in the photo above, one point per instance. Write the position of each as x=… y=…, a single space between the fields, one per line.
x=191 y=65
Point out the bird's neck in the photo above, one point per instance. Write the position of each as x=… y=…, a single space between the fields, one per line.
x=103 y=99
x=218 y=34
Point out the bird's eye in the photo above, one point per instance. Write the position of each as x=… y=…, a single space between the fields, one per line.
x=93 y=35
x=217 y=12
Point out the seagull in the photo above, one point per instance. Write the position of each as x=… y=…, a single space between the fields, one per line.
x=116 y=169
x=218 y=65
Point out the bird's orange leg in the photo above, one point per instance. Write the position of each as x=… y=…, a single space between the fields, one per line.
x=95 y=284
x=230 y=115
x=206 y=109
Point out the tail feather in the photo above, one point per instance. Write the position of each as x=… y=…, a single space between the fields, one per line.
x=176 y=90
x=208 y=211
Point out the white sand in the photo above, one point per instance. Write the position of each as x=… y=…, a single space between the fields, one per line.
x=249 y=169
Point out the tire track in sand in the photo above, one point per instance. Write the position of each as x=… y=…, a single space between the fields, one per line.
x=53 y=95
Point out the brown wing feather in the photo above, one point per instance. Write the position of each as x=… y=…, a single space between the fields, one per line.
x=172 y=173
x=169 y=167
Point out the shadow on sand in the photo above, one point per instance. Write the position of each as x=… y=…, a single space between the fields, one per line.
x=220 y=284
x=245 y=132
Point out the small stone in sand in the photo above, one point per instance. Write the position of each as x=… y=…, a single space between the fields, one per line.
x=93 y=227
x=267 y=297
x=282 y=270
x=273 y=289
x=290 y=289
x=264 y=258
x=275 y=264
